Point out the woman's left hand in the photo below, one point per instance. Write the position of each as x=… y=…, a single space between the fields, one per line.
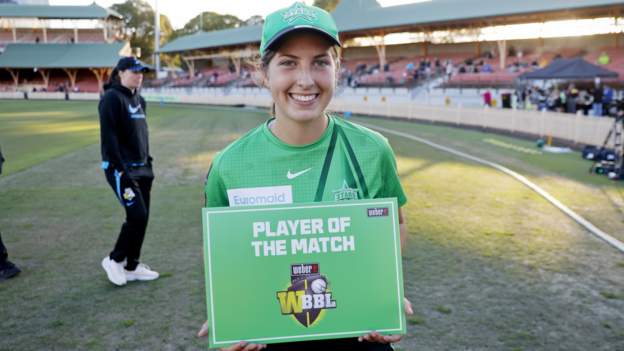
x=388 y=339
x=382 y=339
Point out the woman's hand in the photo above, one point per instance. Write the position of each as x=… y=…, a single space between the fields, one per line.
x=388 y=339
x=241 y=346
x=407 y=307
x=244 y=346
x=203 y=331
x=382 y=339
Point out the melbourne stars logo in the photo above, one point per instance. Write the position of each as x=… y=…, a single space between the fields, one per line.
x=345 y=193
x=296 y=11
x=308 y=295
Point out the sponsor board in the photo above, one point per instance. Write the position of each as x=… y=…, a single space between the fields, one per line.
x=296 y=272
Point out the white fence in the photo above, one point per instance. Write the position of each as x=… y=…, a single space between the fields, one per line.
x=13 y=95
x=397 y=103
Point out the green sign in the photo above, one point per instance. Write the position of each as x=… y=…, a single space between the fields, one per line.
x=303 y=272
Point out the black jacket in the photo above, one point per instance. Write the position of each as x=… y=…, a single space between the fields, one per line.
x=123 y=129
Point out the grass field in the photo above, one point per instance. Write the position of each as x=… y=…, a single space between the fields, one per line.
x=489 y=264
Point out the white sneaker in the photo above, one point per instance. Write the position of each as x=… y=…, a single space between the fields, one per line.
x=114 y=271
x=142 y=272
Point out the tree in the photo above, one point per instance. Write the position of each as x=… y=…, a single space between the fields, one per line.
x=209 y=21
x=139 y=18
x=254 y=20
x=327 y=5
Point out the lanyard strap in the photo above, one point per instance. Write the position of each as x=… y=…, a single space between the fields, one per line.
x=355 y=163
x=328 y=158
x=320 y=189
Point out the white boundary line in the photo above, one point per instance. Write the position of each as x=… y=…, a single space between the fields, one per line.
x=398 y=264
x=580 y=220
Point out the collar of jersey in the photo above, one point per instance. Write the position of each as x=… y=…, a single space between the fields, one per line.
x=275 y=140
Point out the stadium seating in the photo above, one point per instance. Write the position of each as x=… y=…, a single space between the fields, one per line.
x=91 y=36
x=365 y=71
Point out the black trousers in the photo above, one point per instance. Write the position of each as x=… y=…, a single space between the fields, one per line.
x=350 y=344
x=4 y=256
x=133 y=192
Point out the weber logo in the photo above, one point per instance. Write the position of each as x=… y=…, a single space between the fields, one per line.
x=378 y=212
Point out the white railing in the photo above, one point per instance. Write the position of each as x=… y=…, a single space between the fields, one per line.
x=572 y=128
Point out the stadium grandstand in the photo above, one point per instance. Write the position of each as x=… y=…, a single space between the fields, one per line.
x=58 y=48
x=488 y=44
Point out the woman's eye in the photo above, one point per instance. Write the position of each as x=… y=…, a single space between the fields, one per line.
x=287 y=63
x=322 y=63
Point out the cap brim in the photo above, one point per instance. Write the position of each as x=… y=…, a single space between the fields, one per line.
x=142 y=69
x=288 y=30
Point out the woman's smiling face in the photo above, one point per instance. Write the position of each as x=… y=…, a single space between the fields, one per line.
x=302 y=77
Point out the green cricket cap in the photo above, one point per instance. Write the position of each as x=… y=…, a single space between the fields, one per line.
x=296 y=17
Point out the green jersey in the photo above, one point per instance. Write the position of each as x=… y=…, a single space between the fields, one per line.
x=347 y=162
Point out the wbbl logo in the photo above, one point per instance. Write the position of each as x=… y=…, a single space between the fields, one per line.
x=308 y=294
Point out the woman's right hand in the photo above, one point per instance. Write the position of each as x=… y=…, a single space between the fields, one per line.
x=240 y=346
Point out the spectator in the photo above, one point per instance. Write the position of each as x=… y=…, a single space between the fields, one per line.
x=409 y=68
x=361 y=68
x=571 y=96
x=598 y=100
x=604 y=59
x=487 y=98
x=585 y=100
x=449 y=69
x=607 y=96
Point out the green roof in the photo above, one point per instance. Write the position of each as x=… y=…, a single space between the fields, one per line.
x=61 y=55
x=215 y=39
x=361 y=15
x=92 y=11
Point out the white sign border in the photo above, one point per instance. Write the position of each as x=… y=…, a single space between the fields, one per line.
x=206 y=212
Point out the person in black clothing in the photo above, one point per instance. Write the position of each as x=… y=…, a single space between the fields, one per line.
x=128 y=167
x=7 y=268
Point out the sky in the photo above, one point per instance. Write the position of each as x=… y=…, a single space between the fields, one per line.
x=180 y=11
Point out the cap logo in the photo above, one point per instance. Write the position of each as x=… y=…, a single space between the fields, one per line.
x=297 y=11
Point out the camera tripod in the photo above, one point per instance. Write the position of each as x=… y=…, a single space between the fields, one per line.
x=614 y=168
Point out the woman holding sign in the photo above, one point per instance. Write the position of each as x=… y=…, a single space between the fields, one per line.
x=304 y=154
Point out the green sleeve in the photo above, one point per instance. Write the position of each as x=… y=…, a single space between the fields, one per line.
x=214 y=190
x=392 y=182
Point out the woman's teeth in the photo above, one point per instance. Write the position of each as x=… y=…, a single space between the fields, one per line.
x=303 y=98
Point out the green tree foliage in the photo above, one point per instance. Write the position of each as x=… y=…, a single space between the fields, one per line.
x=328 y=5
x=206 y=21
x=209 y=21
x=254 y=20
x=139 y=18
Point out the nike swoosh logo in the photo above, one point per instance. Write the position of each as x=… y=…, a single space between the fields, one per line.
x=290 y=175
x=133 y=109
